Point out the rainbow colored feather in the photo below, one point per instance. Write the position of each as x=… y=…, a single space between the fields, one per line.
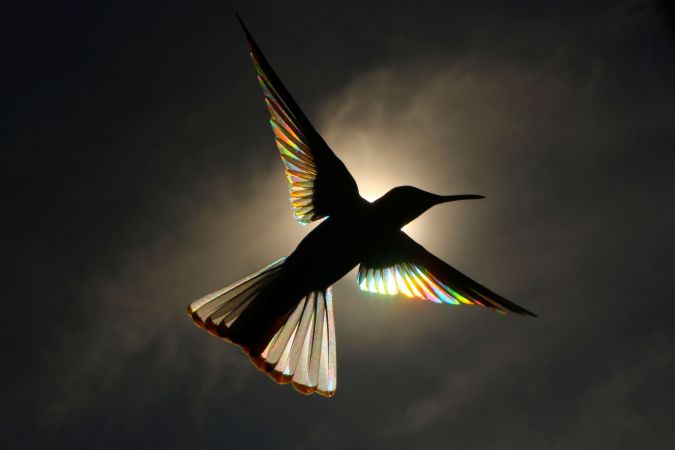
x=411 y=280
x=294 y=149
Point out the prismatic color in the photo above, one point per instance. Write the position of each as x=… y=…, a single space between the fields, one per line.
x=295 y=154
x=411 y=280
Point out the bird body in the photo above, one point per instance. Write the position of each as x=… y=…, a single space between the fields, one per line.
x=281 y=315
x=342 y=242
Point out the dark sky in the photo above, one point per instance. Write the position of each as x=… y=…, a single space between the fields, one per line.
x=139 y=173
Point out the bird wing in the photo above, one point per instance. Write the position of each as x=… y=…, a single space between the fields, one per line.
x=319 y=183
x=402 y=266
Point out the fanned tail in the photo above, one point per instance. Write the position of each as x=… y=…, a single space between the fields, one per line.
x=296 y=346
x=218 y=311
x=303 y=350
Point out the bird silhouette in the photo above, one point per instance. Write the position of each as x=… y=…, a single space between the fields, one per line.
x=282 y=314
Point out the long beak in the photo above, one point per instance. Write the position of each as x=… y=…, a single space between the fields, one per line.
x=452 y=198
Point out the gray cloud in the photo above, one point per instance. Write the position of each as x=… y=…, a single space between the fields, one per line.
x=572 y=147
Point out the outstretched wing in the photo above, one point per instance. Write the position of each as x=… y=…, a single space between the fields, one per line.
x=319 y=183
x=403 y=266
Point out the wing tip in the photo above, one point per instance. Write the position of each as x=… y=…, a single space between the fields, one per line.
x=530 y=313
x=521 y=311
x=513 y=309
x=239 y=19
x=244 y=28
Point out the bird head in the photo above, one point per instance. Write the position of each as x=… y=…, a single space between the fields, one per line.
x=403 y=204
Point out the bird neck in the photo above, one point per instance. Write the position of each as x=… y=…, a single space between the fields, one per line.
x=390 y=214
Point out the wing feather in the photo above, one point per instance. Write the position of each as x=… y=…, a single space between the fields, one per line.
x=403 y=266
x=312 y=169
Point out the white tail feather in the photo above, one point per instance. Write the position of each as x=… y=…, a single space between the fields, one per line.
x=303 y=349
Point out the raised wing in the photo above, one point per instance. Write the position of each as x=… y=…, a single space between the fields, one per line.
x=402 y=266
x=319 y=183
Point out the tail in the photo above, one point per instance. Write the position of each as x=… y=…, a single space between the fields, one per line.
x=291 y=344
x=218 y=311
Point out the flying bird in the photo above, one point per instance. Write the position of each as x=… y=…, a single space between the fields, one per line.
x=282 y=315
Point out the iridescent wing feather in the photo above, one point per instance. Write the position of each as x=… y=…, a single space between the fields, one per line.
x=319 y=183
x=402 y=266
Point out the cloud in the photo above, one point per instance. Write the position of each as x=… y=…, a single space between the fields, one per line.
x=576 y=165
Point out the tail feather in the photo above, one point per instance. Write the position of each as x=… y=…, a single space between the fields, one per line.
x=225 y=305
x=303 y=351
x=295 y=347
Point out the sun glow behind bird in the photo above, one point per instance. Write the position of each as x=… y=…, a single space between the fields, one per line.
x=390 y=133
x=363 y=121
x=360 y=146
x=374 y=185
x=269 y=314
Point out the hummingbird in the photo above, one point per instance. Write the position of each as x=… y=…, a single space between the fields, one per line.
x=281 y=316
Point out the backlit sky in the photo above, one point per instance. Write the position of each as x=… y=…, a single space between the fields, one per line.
x=141 y=173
